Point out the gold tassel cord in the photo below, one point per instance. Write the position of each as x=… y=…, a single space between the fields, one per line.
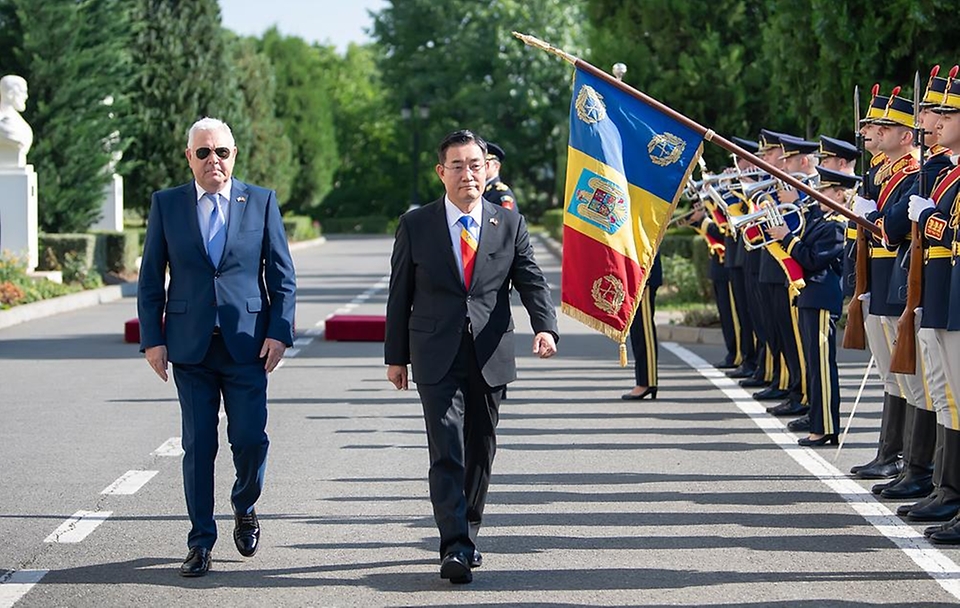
x=623 y=354
x=545 y=46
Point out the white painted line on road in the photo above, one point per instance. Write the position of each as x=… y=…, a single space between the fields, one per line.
x=940 y=567
x=279 y=365
x=301 y=342
x=129 y=483
x=78 y=527
x=291 y=352
x=170 y=447
x=316 y=331
x=17 y=584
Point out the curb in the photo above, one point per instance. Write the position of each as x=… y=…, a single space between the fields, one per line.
x=666 y=332
x=67 y=303
x=93 y=297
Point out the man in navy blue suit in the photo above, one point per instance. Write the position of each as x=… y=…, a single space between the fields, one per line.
x=229 y=318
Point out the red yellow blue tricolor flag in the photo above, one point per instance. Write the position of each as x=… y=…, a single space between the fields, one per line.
x=627 y=163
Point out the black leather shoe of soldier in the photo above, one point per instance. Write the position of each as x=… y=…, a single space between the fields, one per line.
x=771 y=393
x=742 y=372
x=753 y=383
x=881 y=471
x=801 y=424
x=789 y=408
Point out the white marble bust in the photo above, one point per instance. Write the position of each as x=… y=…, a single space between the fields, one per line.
x=16 y=136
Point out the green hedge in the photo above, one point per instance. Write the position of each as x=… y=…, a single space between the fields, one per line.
x=363 y=224
x=117 y=252
x=300 y=228
x=552 y=221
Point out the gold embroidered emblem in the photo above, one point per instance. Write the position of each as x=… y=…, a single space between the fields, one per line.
x=665 y=148
x=934 y=228
x=590 y=106
x=608 y=294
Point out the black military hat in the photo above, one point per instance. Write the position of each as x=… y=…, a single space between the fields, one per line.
x=951 y=100
x=830 y=178
x=747 y=144
x=768 y=139
x=837 y=147
x=936 y=87
x=878 y=104
x=795 y=145
x=899 y=111
x=495 y=152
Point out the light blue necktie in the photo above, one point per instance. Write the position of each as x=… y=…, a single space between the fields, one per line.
x=216 y=232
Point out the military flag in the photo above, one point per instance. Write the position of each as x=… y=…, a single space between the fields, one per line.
x=627 y=163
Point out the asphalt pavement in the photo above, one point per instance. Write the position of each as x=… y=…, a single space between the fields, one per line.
x=698 y=498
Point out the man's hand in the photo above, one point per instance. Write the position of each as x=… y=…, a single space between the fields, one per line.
x=918 y=205
x=397 y=374
x=157 y=358
x=273 y=350
x=544 y=345
x=863 y=206
x=778 y=232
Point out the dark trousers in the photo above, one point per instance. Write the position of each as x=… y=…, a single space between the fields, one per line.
x=741 y=314
x=787 y=329
x=729 y=326
x=768 y=365
x=818 y=329
x=461 y=414
x=643 y=339
x=243 y=387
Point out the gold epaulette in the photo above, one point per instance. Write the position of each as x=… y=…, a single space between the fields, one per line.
x=502 y=186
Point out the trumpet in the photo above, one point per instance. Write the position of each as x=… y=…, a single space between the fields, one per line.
x=770 y=214
x=723 y=180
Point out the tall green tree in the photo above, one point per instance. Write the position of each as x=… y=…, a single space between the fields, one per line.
x=184 y=73
x=74 y=55
x=459 y=59
x=305 y=106
x=265 y=156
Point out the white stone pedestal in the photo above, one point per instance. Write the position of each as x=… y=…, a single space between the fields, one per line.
x=111 y=209
x=18 y=213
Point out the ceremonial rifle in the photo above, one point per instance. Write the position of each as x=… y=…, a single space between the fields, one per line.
x=903 y=359
x=854 y=334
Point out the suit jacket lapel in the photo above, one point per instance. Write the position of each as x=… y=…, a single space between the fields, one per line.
x=440 y=221
x=190 y=204
x=489 y=237
x=237 y=207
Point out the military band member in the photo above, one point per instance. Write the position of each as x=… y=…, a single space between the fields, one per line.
x=819 y=304
x=837 y=155
x=709 y=227
x=496 y=191
x=896 y=177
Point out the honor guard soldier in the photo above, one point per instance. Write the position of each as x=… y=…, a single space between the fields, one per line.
x=933 y=216
x=897 y=177
x=819 y=304
x=496 y=191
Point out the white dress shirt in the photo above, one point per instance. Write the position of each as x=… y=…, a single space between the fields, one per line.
x=453 y=223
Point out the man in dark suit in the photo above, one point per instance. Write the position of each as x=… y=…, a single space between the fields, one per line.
x=448 y=313
x=229 y=318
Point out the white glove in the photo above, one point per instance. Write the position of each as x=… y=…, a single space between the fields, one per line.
x=918 y=205
x=863 y=206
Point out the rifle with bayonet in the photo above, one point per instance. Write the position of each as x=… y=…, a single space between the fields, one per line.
x=854 y=334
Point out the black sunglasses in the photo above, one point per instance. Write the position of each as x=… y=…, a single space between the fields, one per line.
x=203 y=153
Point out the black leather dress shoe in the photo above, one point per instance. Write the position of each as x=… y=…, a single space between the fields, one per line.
x=650 y=391
x=909 y=487
x=456 y=568
x=246 y=534
x=752 y=383
x=801 y=424
x=742 y=372
x=904 y=510
x=789 y=408
x=950 y=535
x=859 y=467
x=936 y=510
x=771 y=393
x=726 y=364
x=807 y=442
x=881 y=470
x=476 y=560
x=197 y=562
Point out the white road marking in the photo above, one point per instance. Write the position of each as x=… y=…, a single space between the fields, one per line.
x=17 y=584
x=78 y=527
x=301 y=342
x=129 y=483
x=170 y=447
x=291 y=352
x=940 y=567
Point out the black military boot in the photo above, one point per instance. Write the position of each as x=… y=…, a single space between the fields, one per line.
x=947 y=502
x=917 y=480
x=887 y=463
x=904 y=510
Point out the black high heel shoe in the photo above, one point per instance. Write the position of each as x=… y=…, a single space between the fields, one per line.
x=651 y=390
x=812 y=443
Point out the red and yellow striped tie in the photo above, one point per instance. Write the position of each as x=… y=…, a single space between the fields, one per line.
x=468 y=249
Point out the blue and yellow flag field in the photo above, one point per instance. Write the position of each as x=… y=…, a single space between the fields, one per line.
x=627 y=163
